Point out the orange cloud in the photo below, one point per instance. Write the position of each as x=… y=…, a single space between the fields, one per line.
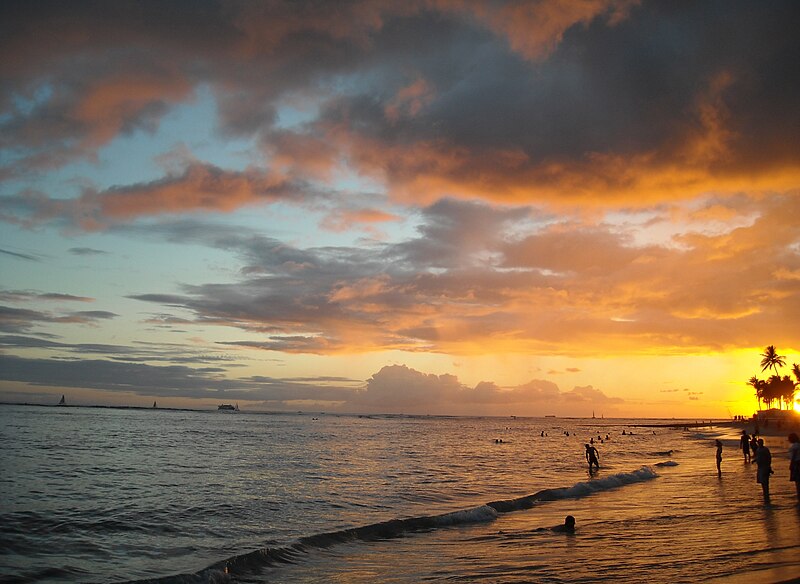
x=346 y=219
x=109 y=105
x=409 y=101
x=201 y=187
x=707 y=156
x=534 y=29
x=561 y=290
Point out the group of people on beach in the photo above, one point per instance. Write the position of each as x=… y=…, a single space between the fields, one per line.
x=754 y=450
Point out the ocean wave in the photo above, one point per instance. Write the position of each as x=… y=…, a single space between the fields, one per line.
x=577 y=490
x=255 y=561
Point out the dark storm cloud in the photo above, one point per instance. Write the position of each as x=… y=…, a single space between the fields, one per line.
x=507 y=100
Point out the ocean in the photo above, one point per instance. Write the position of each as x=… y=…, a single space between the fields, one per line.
x=103 y=495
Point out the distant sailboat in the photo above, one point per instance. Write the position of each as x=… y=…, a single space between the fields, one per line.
x=155 y=405
x=63 y=401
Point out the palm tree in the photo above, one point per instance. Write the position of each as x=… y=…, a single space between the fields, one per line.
x=772 y=359
x=787 y=391
x=771 y=391
x=755 y=383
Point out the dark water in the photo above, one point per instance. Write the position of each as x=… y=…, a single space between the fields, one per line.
x=104 y=495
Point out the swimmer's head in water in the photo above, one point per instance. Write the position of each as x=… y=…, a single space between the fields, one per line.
x=569 y=521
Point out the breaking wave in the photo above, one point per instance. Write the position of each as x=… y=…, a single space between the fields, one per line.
x=255 y=561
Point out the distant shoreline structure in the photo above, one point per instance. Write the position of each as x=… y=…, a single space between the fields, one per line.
x=646 y=422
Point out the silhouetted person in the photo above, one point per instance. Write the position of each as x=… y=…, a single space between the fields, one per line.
x=753 y=447
x=592 y=457
x=719 y=458
x=794 y=462
x=744 y=443
x=568 y=527
x=764 y=462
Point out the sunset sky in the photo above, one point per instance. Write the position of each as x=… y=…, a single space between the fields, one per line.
x=418 y=206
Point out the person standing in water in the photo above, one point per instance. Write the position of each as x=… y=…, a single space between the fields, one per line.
x=592 y=457
x=744 y=443
x=794 y=462
x=764 y=462
x=719 y=459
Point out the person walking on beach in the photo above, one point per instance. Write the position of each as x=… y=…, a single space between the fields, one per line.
x=744 y=443
x=753 y=447
x=592 y=457
x=764 y=463
x=794 y=462
x=719 y=459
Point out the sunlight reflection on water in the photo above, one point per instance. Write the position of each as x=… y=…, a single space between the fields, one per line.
x=101 y=494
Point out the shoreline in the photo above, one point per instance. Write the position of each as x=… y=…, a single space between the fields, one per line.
x=764 y=428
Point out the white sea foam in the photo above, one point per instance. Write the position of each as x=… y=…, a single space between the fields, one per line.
x=480 y=514
x=610 y=482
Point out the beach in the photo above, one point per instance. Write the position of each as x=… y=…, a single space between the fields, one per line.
x=99 y=495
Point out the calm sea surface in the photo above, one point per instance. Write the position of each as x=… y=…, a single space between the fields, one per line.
x=107 y=495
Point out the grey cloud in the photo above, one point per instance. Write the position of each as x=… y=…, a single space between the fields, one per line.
x=609 y=85
x=94 y=314
x=15 y=320
x=86 y=251
x=400 y=387
x=589 y=394
x=501 y=273
x=391 y=388
x=31 y=295
x=21 y=256
x=136 y=352
x=166 y=381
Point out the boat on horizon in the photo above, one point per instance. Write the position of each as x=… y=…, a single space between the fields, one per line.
x=63 y=401
x=228 y=408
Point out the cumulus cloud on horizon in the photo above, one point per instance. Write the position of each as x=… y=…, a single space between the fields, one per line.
x=393 y=389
